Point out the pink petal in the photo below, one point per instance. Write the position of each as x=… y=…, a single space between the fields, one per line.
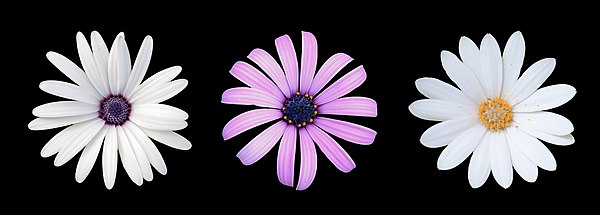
x=348 y=131
x=248 y=120
x=268 y=64
x=261 y=144
x=331 y=67
x=350 y=106
x=332 y=150
x=286 y=156
x=342 y=86
x=249 y=96
x=255 y=79
x=287 y=56
x=308 y=62
x=308 y=161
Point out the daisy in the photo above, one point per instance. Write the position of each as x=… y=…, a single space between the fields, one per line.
x=110 y=108
x=298 y=102
x=495 y=115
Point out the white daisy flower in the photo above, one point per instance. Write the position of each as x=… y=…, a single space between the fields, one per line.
x=110 y=109
x=495 y=115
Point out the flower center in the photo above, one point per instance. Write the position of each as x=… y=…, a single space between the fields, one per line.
x=299 y=110
x=495 y=114
x=115 y=110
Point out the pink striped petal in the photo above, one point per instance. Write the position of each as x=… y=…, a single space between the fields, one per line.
x=249 y=96
x=286 y=156
x=308 y=161
x=261 y=144
x=348 y=131
x=255 y=79
x=342 y=86
x=308 y=62
x=329 y=69
x=332 y=150
x=287 y=56
x=350 y=106
x=248 y=120
x=268 y=64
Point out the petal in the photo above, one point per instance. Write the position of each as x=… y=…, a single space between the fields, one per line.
x=142 y=61
x=89 y=65
x=491 y=67
x=531 y=80
x=332 y=150
x=261 y=144
x=169 y=138
x=59 y=140
x=308 y=160
x=348 y=131
x=546 y=98
x=64 y=109
x=462 y=76
x=343 y=86
x=128 y=157
x=248 y=120
x=287 y=156
x=69 y=91
x=445 y=132
x=440 y=110
x=329 y=69
x=77 y=142
x=532 y=148
x=157 y=123
x=470 y=55
x=512 y=61
x=100 y=52
x=436 y=89
x=250 y=96
x=161 y=94
x=50 y=123
x=119 y=66
x=255 y=79
x=460 y=148
x=563 y=140
x=479 y=166
x=526 y=169
x=148 y=146
x=109 y=157
x=308 y=62
x=89 y=155
x=546 y=122
x=160 y=111
x=500 y=160
x=350 y=106
x=156 y=81
x=72 y=71
x=268 y=64
x=287 y=56
x=140 y=155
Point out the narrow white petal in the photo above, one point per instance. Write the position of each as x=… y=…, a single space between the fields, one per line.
x=531 y=80
x=100 y=51
x=89 y=155
x=479 y=166
x=56 y=122
x=78 y=142
x=109 y=157
x=470 y=56
x=59 y=140
x=526 y=169
x=440 y=110
x=491 y=66
x=460 y=148
x=546 y=98
x=157 y=80
x=161 y=93
x=436 y=89
x=72 y=71
x=512 y=61
x=128 y=157
x=157 y=123
x=546 y=122
x=532 y=148
x=64 y=109
x=462 y=76
x=500 y=160
x=142 y=61
x=160 y=111
x=445 y=132
x=149 y=148
x=123 y=65
x=563 y=140
x=169 y=138
x=89 y=64
x=69 y=91
x=140 y=155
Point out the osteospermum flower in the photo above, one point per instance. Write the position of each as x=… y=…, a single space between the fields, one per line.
x=495 y=115
x=110 y=109
x=297 y=101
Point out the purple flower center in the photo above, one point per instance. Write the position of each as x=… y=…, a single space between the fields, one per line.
x=299 y=110
x=114 y=109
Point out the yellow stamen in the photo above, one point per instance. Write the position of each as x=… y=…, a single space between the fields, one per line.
x=495 y=114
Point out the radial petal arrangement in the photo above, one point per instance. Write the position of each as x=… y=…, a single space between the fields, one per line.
x=296 y=95
x=110 y=108
x=494 y=114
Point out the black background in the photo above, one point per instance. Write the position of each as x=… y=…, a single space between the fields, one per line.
x=396 y=44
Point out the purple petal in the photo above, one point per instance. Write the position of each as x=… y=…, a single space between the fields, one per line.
x=308 y=161
x=331 y=67
x=332 y=150
x=268 y=64
x=350 y=106
x=287 y=56
x=249 y=96
x=255 y=79
x=286 y=156
x=308 y=62
x=261 y=144
x=248 y=120
x=348 y=131
x=342 y=86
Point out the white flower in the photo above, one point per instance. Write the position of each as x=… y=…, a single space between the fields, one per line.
x=494 y=115
x=112 y=110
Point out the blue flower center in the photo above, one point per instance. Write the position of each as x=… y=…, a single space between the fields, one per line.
x=299 y=110
x=114 y=110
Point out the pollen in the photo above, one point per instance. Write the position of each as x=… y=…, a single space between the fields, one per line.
x=495 y=114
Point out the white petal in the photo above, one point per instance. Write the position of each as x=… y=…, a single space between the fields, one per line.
x=119 y=66
x=531 y=80
x=460 y=148
x=445 y=132
x=157 y=123
x=462 y=76
x=100 y=51
x=89 y=155
x=157 y=80
x=479 y=166
x=440 y=110
x=500 y=160
x=148 y=146
x=72 y=71
x=531 y=147
x=69 y=91
x=128 y=158
x=160 y=111
x=436 y=89
x=526 y=169
x=64 y=109
x=546 y=122
x=491 y=66
x=169 y=138
x=58 y=141
x=142 y=61
x=546 y=98
x=79 y=141
x=512 y=61
x=563 y=140
x=109 y=157
x=160 y=94
x=50 y=123
x=89 y=64
x=470 y=55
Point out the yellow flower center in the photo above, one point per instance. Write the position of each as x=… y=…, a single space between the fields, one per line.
x=496 y=114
